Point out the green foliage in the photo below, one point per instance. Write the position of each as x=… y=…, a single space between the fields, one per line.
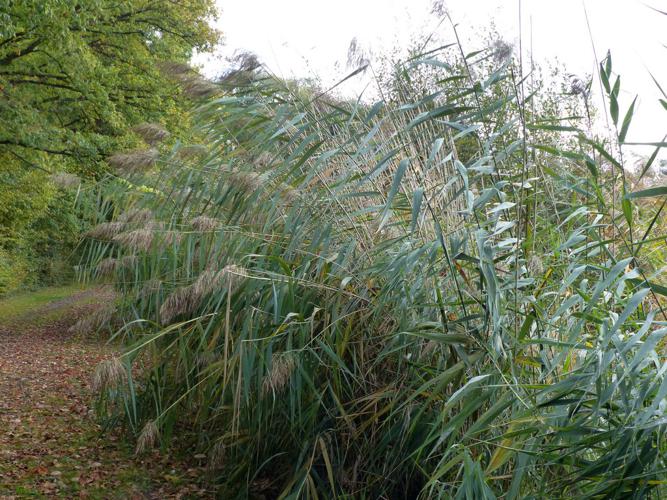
x=16 y=209
x=24 y=198
x=76 y=78
x=40 y=226
x=12 y=271
x=342 y=307
x=21 y=304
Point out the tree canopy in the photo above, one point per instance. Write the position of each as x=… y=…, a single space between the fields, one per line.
x=76 y=76
x=76 y=79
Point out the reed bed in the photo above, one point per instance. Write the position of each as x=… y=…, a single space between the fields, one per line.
x=438 y=295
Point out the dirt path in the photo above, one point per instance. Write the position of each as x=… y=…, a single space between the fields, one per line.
x=50 y=443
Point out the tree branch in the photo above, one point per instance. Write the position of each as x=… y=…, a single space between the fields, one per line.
x=20 y=53
x=21 y=144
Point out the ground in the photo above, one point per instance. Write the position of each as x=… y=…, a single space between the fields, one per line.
x=51 y=445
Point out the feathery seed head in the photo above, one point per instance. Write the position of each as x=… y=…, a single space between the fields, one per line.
x=204 y=223
x=136 y=215
x=177 y=303
x=106 y=267
x=199 y=87
x=148 y=437
x=242 y=73
x=205 y=283
x=93 y=322
x=105 y=230
x=263 y=161
x=171 y=237
x=65 y=180
x=134 y=161
x=211 y=280
x=438 y=8
x=282 y=366
x=188 y=298
x=151 y=133
x=247 y=181
x=245 y=61
x=579 y=86
x=194 y=84
x=502 y=50
x=192 y=151
x=357 y=57
x=109 y=374
x=137 y=239
x=176 y=69
x=535 y=265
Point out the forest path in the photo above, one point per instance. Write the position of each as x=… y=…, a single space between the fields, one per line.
x=50 y=443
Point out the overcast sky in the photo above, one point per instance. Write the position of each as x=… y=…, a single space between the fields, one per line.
x=307 y=38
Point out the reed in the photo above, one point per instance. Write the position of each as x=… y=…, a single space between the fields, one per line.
x=448 y=303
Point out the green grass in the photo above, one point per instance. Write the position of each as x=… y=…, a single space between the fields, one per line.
x=20 y=304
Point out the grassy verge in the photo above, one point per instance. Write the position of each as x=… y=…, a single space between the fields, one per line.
x=17 y=305
x=51 y=445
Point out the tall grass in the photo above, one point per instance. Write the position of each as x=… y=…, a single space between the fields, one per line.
x=435 y=295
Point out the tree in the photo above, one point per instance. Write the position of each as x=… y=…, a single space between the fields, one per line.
x=75 y=76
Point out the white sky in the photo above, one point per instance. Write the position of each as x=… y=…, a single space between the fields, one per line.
x=308 y=38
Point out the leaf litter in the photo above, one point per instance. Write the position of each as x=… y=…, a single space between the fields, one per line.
x=51 y=444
